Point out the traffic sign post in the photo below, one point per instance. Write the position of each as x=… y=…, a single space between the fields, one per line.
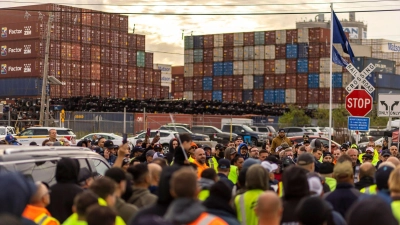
x=358 y=123
x=358 y=103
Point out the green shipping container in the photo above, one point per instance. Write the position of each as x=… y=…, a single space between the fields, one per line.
x=188 y=42
x=198 y=55
x=140 y=60
x=259 y=38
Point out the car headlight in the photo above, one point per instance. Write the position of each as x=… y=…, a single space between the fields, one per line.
x=207 y=139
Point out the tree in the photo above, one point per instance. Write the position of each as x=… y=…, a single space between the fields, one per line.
x=323 y=117
x=339 y=116
x=295 y=117
x=377 y=121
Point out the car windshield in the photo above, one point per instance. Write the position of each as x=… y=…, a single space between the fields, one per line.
x=247 y=128
x=263 y=129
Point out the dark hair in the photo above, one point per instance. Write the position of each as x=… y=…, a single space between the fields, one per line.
x=100 y=215
x=263 y=151
x=303 y=148
x=134 y=160
x=84 y=200
x=184 y=183
x=185 y=137
x=209 y=174
x=103 y=187
x=234 y=160
x=116 y=174
x=139 y=172
x=100 y=138
x=316 y=150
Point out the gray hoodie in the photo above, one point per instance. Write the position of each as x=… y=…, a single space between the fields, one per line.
x=184 y=211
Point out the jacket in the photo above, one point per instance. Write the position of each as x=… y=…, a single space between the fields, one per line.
x=39 y=215
x=375 y=158
x=233 y=174
x=213 y=163
x=205 y=185
x=200 y=168
x=63 y=193
x=228 y=218
x=331 y=182
x=343 y=197
x=364 y=182
x=191 y=212
x=240 y=153
x=125 y=210
x=396 y=209
x=244 y=205
x=111 y=159
x=219 y=206
x=225 y=179
x=141 y=197
x=277 y=141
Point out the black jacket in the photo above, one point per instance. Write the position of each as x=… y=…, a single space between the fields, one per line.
x=364 y=182
x=63 y=193
x=343 y=197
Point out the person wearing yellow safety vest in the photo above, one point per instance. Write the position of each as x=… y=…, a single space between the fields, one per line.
x=212 y=162
x=219 y=154
x=36 y=209
x=223 y=172
x=230 y=154
x=256 y=183
x=207 y=179
x=370 y=151
x=366 y=177
x=326 y=170
x=394 y=187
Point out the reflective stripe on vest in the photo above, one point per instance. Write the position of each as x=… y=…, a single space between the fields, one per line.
x=41 y=219
x=371 y=190
x=280 y=189
x=242 y=209
x=206 y=220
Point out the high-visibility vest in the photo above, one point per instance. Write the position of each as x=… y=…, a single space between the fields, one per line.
x=371 y=190
x=207 y=219
x=280 y=189
x=396 y=210
x=213 y=163
x=375 y=158
x=233 y=174
x=331 y=182
x=245 y=204
x=44 y=219
x=203 y=195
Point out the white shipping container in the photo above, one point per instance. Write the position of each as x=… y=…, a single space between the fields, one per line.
x=188 y=95
x=237 y=67
x=302 y=35
x=218 y=54
x=165 y=69
x=238 y=53
x=290 y=95
x=238 y=39
x=166 y=78
x=259 y=52
x=280 y=66
x=259 y=67
x=188 y=70
x=280 y=37
x=324 y=81
x=269 y=52
x=188 y=56
x=218 y=40
x=248 y=52
x=248 y=82
x=346 y=79
x=324 y=66
x=248 y=67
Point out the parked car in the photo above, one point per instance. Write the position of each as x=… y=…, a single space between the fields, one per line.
x=117 y=140
x=318 y=131
x=181 y=130
x=324 y=141
x=214 y=133
x=39 y=134
x=248 y=134
x=268 y=130
x=165 y=138
x=297 y=131
x=4 y=130
x=39 y=163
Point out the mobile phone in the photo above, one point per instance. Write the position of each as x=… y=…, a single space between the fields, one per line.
x=148 y=132
x=124 y=138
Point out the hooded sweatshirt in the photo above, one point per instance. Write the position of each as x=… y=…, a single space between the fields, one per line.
x=63 y=193
x=240 y=153
x=15 y=194
x=170 y=155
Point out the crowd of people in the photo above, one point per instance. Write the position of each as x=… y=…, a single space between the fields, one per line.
x=283 y=183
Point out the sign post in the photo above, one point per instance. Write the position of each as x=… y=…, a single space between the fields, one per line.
x=62 y=118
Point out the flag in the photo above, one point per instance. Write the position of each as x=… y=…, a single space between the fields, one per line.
x=339 y=37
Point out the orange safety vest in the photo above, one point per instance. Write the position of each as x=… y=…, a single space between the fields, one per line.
x=39 y=215
x=208 y=219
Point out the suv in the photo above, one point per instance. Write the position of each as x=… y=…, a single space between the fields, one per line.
x=214 y=133
x=39 y=134
x=269 y=130
x=297 y=131
x=165 y=138
x=39 y=163
x=4 y=130
x=248 y=134
x=181 y=130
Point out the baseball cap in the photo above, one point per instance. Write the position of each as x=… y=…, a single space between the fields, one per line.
x=326 y=168
x=238 y=138
x=306 y=142
x=327 y=154
x=150 y=153
x=326 y=146
x=224 y=164
x=305 y=159
x=315 y=185
x=382 y=177
x=354 y=146
x=231 y=150
x=157 y=146
x=298 y=145
x=139 y=141
x=110 y=144
x=84 y=174
x=158 y=155
x=386 y=153
x=193 y=145
x=206 y=146
x=273 y=159
x=285 y=145
x=281 y=130
x=271 y=167
x=344 y=146
x=219 y=147
x=369 y=149
x=368 y=156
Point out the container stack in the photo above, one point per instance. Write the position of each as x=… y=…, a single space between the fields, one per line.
x=91 y=53
x=281 y=67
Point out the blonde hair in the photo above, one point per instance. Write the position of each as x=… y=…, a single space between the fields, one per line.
x=394 y=180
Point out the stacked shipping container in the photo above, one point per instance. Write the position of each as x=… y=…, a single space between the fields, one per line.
x=91 y=52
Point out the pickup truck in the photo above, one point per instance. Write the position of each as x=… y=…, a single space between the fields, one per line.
x=249 y=135
x=214 y=133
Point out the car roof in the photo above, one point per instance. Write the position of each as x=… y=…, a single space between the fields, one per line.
x=202 y=126
x=48 y=128
x=314 y=137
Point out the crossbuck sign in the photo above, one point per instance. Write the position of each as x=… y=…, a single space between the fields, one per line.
x=360 y=78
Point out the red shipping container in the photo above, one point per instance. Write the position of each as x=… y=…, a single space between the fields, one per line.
x=177 y=83
x=237 y=82
x=248 y=39
x=55 y=31
x=55 y=50
x=66 y=51
x=319 y=35
x=22 y=49
x=291 y=36
x=114 y=21
x=208 y=69
x=24 y=30
x=86 y=17
x=140 y=76
x=123 y=23
x=76 y=51
x=96 y=18
x=95 y=71
x=197 y=95
x=132 y=74
x=95 y=88
x=228 y=54
x=208 y=55
x=269 y=81
x=95 y=36
x=217 y=83
x=313 y=95
x=66 y=13
x=123 y=39
x=339 y=95
x=66 y=70
x=76 y=70
x=140 y=42
x=148 y=91
x=313 y=65
x=76 y=15
x=54 y=68
x=140 y=92
x=76 y=33
x=291 y=65
x=302 y=96
x=227 y=96
x=237 y=96
x=114 y=89
x=228 y=40
x=66 y=89
x=95 y=53
x=132 y=39
x=85 y=70
x=209 y=41
x=114 y=56
x=105 y=73
x=123 y=74
x=131 y=93
x=178 y=95
x=197 y=83
x=198 y=69
x=123 y=56
x=105 y=37
x=105 y=20
x=76 y=89
x=258 y=96
x=55 y=91
x=291 y=80
x=149 y=56
x=114 y=38
x=227 y=82
x=314 y=50
x=165 y=92
x=105 y=89
x=280 y=81
x=132 y=55
x=156 y=77
x=188 y=84
x=148 y=76
x=269 y=66
x=323 y=96
x=325 y=49
x=22 y=68
x=157 y=91
x=114 y=73
x=66 y=32
x=123 y=90
x=302 y=80
x=207 y=95
x=270 y=37
x=105 y=54
x=85 y=52
x=18 y=14
x=280 y=51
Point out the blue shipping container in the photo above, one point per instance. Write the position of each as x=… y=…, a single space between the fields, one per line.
x=258 y=82
x=337 y=79
x=207 y=83
x=279 y=96
x=218 y=68
x=313 y=80
x=269 y=96
x=302 y=66
x=247 y=95
x=371 y=78
x=20 y=87
x=375 y=94
x=198 y=42
x=228 y=68
x=386 y=80
x=303 y=50
x=291 y=51
x=382 y=65
x=198 y=55
x=217 y=96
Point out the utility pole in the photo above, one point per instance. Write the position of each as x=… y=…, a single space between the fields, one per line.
x=45 y=74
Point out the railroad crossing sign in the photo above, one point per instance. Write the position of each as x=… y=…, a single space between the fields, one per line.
x=359 y=78
x=388 y=105
x=358 y=103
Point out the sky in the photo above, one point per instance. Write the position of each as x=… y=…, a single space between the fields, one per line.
x=164 y=32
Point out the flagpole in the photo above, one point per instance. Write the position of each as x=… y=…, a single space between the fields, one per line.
x=330 y=85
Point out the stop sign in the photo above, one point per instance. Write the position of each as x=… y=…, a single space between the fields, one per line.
x=358 y=103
